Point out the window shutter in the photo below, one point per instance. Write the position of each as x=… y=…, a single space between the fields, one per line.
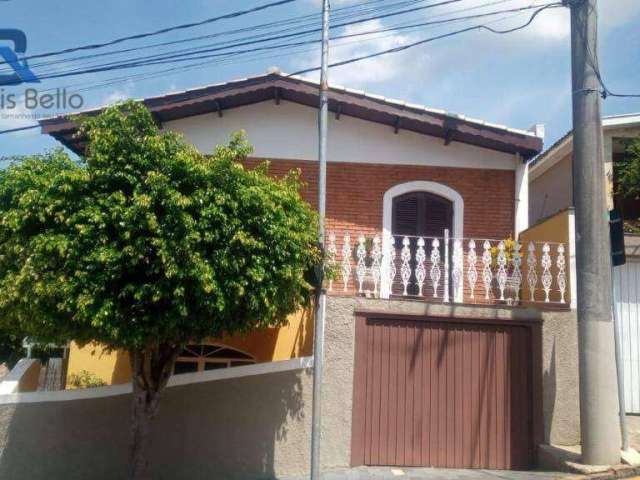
x=405 y=215
x=437 y=215
x=421 y=214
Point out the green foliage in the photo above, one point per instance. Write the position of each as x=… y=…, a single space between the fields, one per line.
x=146 y=241
x=627 y=170
x=85 y=379
x=627 y=176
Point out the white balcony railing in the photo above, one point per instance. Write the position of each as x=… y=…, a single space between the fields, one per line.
x=461 y=270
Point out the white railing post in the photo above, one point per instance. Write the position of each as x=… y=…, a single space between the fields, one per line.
x=330 y=261
x=562 y=276
x=346 y=260
x=546 y=278
x=421 y=272
x=376 y=258
x=384 y=266
x=446 y=266
x=516 y=276
x=487 y=274
x=472 y=272
x=532 y=275
x=361 y=267
x=405 y=269
x=435 y=273
x=457 y=272
x=501 y=275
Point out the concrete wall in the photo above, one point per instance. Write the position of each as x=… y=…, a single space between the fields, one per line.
x=23 y=377
x=257 y=426
x=550 y=181
x=551 y=192
x=251 y=427
x=559 y=367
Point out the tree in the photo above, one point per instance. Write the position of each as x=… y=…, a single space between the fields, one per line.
x=145 y=245
x=627 y=178
x=628 y=169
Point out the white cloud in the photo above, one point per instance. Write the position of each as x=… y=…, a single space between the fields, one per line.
x=370 y=71
x=517 y=79
x=114 y=97
x=118 y=95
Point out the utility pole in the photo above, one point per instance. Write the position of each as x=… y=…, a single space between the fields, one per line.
x=600 y=436
x=318 y=339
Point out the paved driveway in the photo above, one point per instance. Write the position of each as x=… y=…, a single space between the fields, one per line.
x=379 y=473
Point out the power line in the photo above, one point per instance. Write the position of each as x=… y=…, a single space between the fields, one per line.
x=363 y=7
x=431 y=39
x=605 y=91
x=391 y=50
x=163 y=30
x=148 y=75
x=172 y=59
x=142 y=60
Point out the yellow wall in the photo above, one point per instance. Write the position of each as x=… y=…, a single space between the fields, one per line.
x=266 y=345
x=551 y=229
x=111 y=367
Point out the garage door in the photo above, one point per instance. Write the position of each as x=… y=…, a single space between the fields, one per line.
x=443 y=393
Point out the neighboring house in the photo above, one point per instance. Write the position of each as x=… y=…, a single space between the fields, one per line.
x=550 y=192
x=448 y=344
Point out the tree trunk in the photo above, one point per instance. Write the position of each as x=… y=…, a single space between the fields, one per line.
x=151 y=369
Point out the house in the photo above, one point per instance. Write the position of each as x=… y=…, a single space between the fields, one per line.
x=550 y=191
x=450 y=337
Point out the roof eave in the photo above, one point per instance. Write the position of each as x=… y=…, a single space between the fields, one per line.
x=350 y=103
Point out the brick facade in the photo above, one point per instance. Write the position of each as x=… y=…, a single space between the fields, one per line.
x=355 y=194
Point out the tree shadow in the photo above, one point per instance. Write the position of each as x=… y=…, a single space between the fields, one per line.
x=549 y=388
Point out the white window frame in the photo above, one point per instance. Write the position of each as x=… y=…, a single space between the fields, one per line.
x=387 y=217
x=201 y=360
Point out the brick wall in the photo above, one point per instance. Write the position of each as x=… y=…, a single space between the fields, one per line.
x=355 y=193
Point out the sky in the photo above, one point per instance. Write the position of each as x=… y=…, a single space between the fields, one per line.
x=516 y=79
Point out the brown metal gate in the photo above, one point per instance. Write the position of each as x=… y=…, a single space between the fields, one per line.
x=445 y=393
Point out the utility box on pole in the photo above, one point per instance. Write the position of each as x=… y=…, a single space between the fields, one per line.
x=600 y=434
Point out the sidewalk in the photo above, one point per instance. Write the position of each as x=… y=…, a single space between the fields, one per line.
x=379 y=473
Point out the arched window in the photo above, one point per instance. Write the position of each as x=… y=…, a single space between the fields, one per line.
x=199 y=358
x=435 y=190
x=419 y=209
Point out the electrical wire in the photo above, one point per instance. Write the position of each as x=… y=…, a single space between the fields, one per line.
x=344 y=12
x=172 y=59
x=592 y=61
x=161 y=31
x=140 y=61
x=431 y=39
x=389 y=51
x=401 y=26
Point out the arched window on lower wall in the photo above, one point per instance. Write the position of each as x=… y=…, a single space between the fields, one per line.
x=200 y=358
